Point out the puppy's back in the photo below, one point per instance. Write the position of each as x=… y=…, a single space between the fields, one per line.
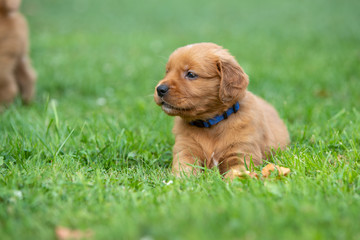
x=277 y=130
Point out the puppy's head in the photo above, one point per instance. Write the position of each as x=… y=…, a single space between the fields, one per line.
x=202 y=80
x=9 y=6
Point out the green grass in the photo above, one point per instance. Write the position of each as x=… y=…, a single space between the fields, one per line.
x=68 y=160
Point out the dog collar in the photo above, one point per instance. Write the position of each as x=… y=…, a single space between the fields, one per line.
x=212 y=121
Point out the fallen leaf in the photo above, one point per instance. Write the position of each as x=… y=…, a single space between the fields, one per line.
x=266 y=171
x=63 y=233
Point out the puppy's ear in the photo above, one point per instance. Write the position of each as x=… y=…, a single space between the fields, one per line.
x=11 y=5
x=234 y=80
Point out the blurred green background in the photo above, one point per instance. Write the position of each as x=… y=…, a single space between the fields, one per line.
x=306 y=51
x=93 y=151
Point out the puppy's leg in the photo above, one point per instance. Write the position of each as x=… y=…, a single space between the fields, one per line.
x=237 y=163
x=186 y=156
x=184 y=164
x=26 y=77
x=8 y=87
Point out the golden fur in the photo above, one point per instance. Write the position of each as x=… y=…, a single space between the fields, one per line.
x=16 y=73
x=250 y=134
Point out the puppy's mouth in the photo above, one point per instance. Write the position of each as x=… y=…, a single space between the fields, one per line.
x=168 y=108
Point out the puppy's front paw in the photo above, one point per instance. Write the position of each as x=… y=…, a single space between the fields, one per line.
x=235 y=173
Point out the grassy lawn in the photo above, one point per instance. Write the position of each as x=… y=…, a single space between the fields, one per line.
x=94 y=151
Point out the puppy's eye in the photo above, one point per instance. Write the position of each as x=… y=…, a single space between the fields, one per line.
x=191 y=75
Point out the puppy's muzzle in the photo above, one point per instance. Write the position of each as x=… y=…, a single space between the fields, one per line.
x=162 y=90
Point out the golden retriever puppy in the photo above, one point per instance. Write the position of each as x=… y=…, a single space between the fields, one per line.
x=218 y=122
x=16 y=73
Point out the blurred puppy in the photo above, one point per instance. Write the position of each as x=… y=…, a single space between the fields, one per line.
x=16 y=73
x=218 y=122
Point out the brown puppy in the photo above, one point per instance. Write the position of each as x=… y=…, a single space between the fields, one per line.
x=16 y=73
x=218 y=122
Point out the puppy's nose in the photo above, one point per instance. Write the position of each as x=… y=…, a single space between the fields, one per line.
x=162 y=90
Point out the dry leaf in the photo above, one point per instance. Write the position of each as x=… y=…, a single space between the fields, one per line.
x=266 y=171
x=63 y=233
x=283 y=171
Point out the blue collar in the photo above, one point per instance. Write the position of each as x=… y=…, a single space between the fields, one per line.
x=212 y=121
